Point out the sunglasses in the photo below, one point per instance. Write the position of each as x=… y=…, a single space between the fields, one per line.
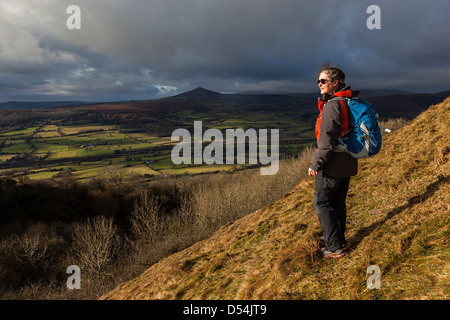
x=323 y=81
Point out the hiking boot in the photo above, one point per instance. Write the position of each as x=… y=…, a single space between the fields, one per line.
x=332 y=254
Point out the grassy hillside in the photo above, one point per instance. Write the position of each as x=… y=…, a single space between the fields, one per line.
x=398 y=219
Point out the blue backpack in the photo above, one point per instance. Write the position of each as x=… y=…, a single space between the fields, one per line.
x=363 y=139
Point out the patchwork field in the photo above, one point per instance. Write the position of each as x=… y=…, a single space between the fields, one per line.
x=86 y=151
x=135 y=136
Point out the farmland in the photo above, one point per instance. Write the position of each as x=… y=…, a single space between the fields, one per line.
x=84 y=151
x=95 y=150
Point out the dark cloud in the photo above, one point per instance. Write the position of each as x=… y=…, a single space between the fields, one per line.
x=147 y=49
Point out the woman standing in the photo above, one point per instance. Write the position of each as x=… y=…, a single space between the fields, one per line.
x=332 y=169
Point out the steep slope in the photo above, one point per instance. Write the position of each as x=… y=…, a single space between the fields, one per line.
x=398 y=219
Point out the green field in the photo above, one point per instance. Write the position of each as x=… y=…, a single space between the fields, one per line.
x=87 y=151
x=44 y=151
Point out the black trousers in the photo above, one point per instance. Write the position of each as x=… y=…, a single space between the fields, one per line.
x=329 y=201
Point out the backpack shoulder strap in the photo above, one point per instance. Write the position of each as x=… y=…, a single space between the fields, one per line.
x=344 y=99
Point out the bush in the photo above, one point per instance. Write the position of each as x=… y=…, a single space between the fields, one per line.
x=37 y=248
x=96 y=244
x=146 y=218
x=34 y=255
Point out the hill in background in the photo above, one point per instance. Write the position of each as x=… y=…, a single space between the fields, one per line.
x=389 y=103
x=398 y=219
x=20 y=105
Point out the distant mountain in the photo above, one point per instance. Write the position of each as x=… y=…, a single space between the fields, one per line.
x=389 y=103
x=406 y=105
x=392 y=103
x=205 y=101
x=198 y=93
x=443 y=94
x=381 y=92
x=17 y=105
x=314 y=95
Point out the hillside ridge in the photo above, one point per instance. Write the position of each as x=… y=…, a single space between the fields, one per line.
x=398 y=220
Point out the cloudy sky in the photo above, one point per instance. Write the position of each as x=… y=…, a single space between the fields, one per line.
x=138 y=49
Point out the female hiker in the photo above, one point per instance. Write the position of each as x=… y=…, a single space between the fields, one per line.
x=332 y=169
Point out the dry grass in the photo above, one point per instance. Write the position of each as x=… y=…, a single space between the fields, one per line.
x=398 y=219
x=393 y=124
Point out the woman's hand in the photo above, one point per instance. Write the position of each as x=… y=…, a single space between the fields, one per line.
x=312 y=172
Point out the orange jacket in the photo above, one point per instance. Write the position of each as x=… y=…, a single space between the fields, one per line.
x=344 y=113
x=334 y=122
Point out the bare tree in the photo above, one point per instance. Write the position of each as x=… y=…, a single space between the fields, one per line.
x=146 y=218
x=96 y=243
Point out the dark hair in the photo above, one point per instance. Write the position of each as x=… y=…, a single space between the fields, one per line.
x=334 y=73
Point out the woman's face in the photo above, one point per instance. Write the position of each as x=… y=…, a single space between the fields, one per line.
x=327 y=87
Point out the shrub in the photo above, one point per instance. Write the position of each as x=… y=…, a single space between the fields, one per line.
x=31 y=256
x=146 y=218
x=96 y=244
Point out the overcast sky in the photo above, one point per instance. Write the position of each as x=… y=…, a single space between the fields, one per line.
x=138 y=49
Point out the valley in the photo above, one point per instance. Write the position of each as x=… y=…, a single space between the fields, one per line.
x=90 y=140
x=135 y=137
